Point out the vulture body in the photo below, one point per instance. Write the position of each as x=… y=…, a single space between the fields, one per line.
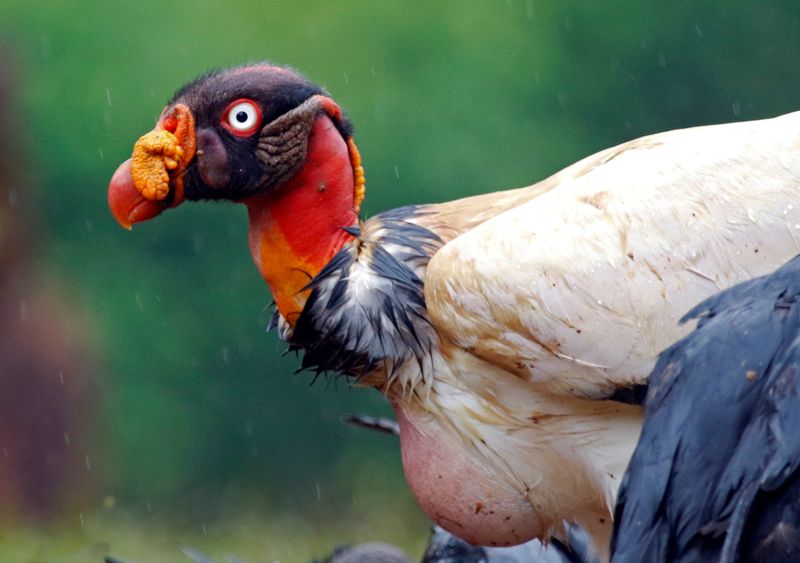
x=512 y=332
x=715 y=476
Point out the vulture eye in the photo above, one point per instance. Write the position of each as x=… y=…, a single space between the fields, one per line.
x=242 y=117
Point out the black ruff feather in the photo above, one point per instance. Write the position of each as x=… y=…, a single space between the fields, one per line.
x=355 y=333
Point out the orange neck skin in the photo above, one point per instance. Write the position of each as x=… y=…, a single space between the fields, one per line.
x=296 y=229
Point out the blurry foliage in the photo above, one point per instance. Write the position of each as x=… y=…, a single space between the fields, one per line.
x=449 y=99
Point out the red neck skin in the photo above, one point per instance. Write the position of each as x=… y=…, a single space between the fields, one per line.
x=296 y=229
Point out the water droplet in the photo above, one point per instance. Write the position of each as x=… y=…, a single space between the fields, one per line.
x=45 y=47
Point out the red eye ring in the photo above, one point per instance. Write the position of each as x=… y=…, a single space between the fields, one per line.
x=242 y=117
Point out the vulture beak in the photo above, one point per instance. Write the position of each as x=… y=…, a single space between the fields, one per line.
x=151 y=181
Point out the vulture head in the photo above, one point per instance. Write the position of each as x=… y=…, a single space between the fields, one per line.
x=264 y=136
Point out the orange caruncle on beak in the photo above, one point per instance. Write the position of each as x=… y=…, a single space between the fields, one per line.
x=153 y=155
x=140 y=188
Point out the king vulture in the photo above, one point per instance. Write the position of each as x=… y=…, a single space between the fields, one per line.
x=512 y=332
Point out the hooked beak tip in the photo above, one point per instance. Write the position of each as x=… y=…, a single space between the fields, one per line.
x=127 y=205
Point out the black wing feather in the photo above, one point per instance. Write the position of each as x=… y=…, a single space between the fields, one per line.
x=715 y=474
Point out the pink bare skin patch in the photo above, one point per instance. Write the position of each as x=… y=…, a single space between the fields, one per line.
x=458 y=493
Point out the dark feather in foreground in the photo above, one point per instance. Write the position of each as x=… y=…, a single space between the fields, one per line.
x=374 y=552
x=444 y=547
x=715 y=475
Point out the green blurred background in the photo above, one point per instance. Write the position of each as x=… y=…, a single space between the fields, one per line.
x=186 y=425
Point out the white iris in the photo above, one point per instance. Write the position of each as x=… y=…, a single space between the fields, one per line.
x=242 y=116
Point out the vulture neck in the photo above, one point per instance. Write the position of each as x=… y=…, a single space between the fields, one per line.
x=296 y=229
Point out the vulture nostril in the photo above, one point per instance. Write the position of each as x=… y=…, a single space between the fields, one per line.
x=170 y=123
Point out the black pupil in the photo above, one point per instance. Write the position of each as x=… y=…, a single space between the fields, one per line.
x=241 y=117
